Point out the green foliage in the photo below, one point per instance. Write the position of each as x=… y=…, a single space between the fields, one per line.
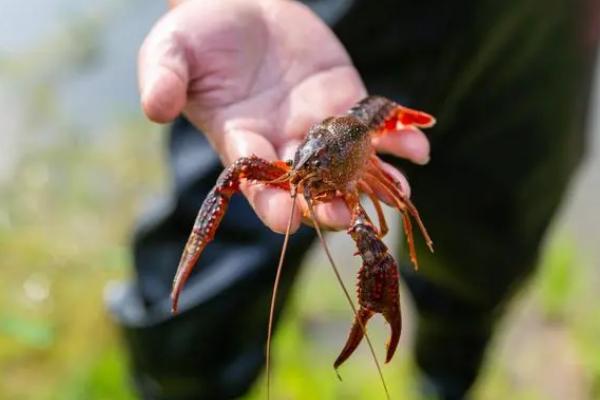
x=557 y=278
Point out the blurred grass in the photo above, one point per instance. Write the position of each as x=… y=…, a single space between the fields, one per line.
x=64 y=227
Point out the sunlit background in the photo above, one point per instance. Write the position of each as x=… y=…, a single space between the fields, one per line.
x=78 y=163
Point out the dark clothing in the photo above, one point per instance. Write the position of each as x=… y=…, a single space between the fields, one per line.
x=509 y=83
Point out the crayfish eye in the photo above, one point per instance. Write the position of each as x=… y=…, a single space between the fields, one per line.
x=316 y=163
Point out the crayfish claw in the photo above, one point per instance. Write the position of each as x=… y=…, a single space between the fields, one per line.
x=206 y=223
x=394 y=319
x=378 y=286
x=214 y=207
x=355 y=336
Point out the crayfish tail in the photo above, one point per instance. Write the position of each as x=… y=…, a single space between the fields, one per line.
x=383 y=115
x=410 y=117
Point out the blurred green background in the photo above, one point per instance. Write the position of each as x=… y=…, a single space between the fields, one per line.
x=78 y=163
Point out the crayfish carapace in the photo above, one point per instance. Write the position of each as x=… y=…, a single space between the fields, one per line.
x=336 y=160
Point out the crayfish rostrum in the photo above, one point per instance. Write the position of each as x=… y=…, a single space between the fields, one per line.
x=336 y=160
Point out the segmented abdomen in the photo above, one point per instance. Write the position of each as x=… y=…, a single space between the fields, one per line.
x=382 y=115
x=373 y=111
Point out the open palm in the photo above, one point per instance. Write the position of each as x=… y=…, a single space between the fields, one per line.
x=254 y=76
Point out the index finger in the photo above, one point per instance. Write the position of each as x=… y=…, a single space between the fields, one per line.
x=410 y=143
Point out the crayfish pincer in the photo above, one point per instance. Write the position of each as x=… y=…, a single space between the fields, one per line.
x=336 y=160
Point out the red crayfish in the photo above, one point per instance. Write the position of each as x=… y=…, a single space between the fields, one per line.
x=336 y=160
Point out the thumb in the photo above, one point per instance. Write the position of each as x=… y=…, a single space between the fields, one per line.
x=163 y=73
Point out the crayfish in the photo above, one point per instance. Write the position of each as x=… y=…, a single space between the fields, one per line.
x=335 y=160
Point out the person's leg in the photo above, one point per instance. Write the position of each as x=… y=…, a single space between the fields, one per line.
x=214 y=348
x=509 y=83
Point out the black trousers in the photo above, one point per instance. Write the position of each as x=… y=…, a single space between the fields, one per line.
x=509 y=82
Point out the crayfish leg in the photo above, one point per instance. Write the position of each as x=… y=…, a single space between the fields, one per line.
x=383 y=183
x=383 y=226
x=410 y=239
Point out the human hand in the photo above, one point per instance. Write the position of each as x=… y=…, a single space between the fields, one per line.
x=254 y=76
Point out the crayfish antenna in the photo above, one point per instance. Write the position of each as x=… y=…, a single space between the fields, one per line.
x=346 y=294
x=275 y=287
